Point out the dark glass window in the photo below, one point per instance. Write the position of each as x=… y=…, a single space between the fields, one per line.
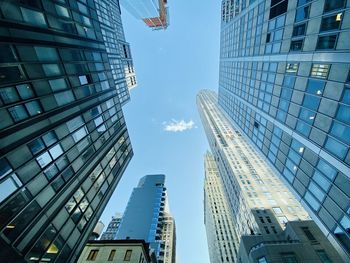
x=344 y=113
x=8 y=95
x=278 y=9
x=302 y=13
x=341 y=131
x=18 y=113
x=10 y=74
x=331 y=5
x=342 y=237
x=326 y=42
x=331 y=22
x=7 y=55
x=296 y=45
x=311 y=102
x=299 y=30
x=336 y=147
x=36 y=146
x=16 y=227
x=5 y=168
x=303 y=2
x=315 y=86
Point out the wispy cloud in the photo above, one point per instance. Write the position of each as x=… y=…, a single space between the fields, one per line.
x=178 y=126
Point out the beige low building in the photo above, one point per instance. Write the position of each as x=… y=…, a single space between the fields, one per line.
x=116 y=251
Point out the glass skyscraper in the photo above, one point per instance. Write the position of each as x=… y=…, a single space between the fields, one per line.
x=285 y=82
x=63 y=140
x=146 y=217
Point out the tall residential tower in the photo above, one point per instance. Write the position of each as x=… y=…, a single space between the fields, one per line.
x=285 y=83
x=147 y=217
x=63 y=140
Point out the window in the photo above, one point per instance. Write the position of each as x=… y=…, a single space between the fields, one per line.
x=303 y=2
x=341 y=131
x=111 y=255
x=331 y=22
x=262 y=260
x=289 y=258
x=84 y=79
x=299 y=30
x=320 y=70
x=282 y=219
x=292 y=67
x=33 y=17
x=92 y=254
x=323 y=256
x=277 y=210
x=296 y=45
x=46 y=53
x=64 y=97
x=8 y=95
x=127 y=256
x=315 y=87
x=18 y=113
x=58 y=84
x=342 y=237
x=278 y=9
x=344 y=113
x=326 y=42
x=333 y=5
x=336 y=148
x=33 y=108
x=25 y=91
x=302 y=13
x=309 y=235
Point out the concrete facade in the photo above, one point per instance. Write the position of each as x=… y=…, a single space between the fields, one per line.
x=116 y=251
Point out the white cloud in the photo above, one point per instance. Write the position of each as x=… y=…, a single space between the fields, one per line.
x=178 y=126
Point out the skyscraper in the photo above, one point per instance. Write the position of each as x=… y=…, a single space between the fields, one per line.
x=284 y=81
x=222 y=242
x=64 y=143
x=112 y=228
x=145 y=217
x=263 y=213
x=249 y=184
x=154 y=13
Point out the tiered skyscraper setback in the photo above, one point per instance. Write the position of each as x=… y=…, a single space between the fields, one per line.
x=262 y=209
x=63 y=141
x=285 y=82
x=146 y=217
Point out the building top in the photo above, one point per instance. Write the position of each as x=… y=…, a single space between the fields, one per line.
x=122 y=243
x=154 y=13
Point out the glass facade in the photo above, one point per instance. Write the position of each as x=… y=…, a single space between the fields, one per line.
x=284 y=81
x=64 y=143
x=147 y=217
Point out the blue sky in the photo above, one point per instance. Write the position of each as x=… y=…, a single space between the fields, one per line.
x=171 y=67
